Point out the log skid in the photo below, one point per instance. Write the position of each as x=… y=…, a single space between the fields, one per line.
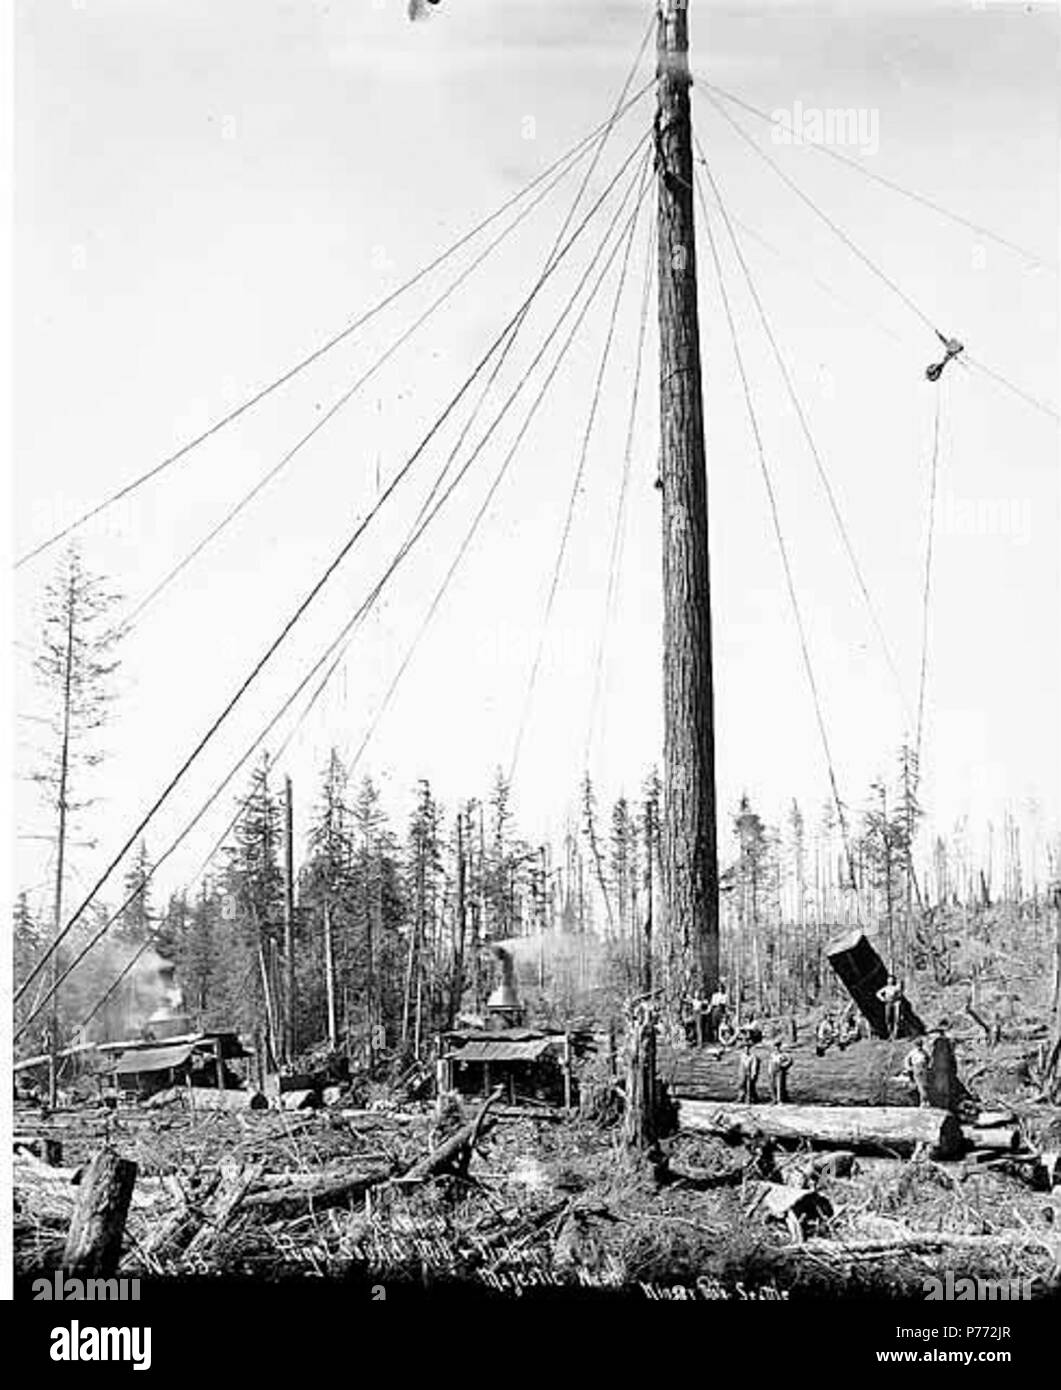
x=895 y=1129
x=866 y=1073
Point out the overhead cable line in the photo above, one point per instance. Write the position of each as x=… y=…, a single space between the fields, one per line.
x=608 y=126
x=819 y=464
x=618 y=530
x=326 y=575
x=837 y=231
x=620 y=106
x=403 y=551
x=326 y=346
x=340 y=402
x=781 y=546
x=573 y=499
x=895 y=187
x=440 y=593
x=798 y=268
x=927 y=585
x=871 y=265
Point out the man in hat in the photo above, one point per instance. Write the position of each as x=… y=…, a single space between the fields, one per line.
x=777 y=1068
x=749 y=1071
x=824 y=1035
x=848 y=1028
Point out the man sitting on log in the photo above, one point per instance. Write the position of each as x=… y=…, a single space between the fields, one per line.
x=891 y=996
x=777 y=1067
x=848 y=1032
x=749 y=1071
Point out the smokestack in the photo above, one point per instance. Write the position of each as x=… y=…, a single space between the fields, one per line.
x=503 y=1004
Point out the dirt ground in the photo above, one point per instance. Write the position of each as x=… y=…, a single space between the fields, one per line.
x=549 y=1202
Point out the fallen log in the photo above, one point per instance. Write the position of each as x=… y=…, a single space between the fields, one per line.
x=207 y=1098
x=863 y=973
x=94 y=1240
x=236 y=1180
x=1004 y=1137
x=456 y=1151
x=172 y=1234
x=865 y=1073
x=300 y=1196
x=895 y=1129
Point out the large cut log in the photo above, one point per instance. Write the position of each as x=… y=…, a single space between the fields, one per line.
x=209 y=1098
x=863 y=973
x=865 y=1073
x=1003 y=1137
x=300 y=1197
x=893 y=1129
x=94 y=1240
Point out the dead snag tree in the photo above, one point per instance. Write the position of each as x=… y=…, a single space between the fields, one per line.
x=74 y=667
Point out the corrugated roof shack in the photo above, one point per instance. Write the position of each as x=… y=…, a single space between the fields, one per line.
x=531 y=1065
x=143 y=1068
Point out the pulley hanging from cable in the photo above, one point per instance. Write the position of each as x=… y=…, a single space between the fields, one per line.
x=951 y=348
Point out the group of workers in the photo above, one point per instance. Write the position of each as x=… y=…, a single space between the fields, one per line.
x=839 y=1030
x=778 y=1065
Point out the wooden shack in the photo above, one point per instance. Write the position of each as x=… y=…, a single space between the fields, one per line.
x=530 y=1064
x=142 y=1067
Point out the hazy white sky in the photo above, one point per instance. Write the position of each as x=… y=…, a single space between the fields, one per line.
x=205 y=191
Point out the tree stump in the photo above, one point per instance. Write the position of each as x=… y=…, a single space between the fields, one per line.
x=640 y=1122
x=94 y=1241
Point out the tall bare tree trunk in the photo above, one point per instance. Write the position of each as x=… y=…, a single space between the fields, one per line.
x=289 y=923
x=689 y=829
x=329 y=977
x=60 y=848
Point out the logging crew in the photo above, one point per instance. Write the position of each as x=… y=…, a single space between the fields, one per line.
x=777 y=1068
x=749 y=1071
x=917 y=1070
x=891 y=996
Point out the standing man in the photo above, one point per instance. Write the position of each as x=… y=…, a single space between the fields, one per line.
x=824 y=1035
x=717 y=1007
x=891 y=996
x=749 y=1071
x=777 y=1068
x=917 y=1070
